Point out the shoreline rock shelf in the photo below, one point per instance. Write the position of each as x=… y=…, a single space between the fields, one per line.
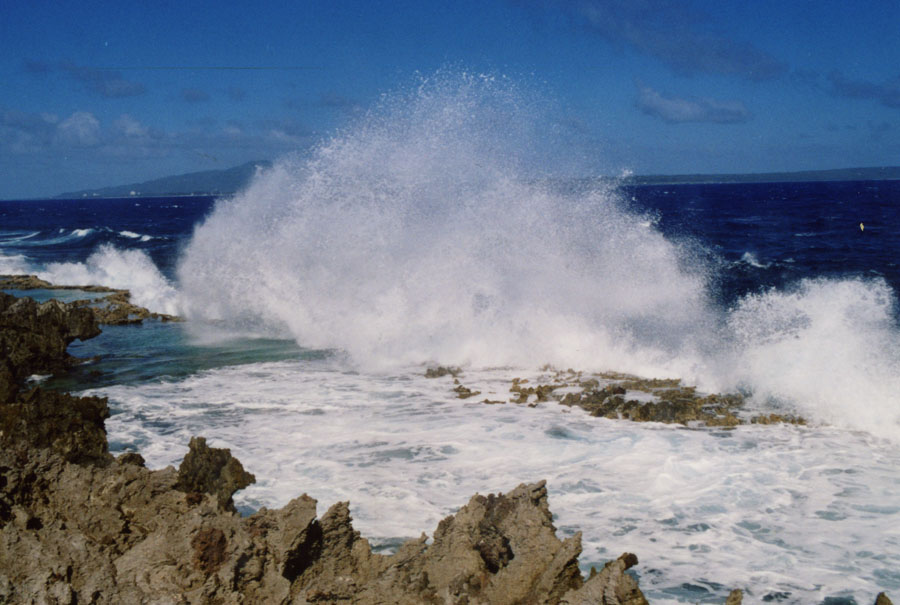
x=78 y=525
x=113 y=307
x=626 y=397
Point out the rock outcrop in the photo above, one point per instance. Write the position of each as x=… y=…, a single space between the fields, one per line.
x=72 y=533
x=112 y=307
x=79 y=526
x=34 y=338
x=626 y=397
x=213 y=471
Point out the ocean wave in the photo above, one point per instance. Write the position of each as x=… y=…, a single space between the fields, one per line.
x=14 y=237
x=63 y=236
x=828 y=348
x=420 y=234
x=138 y=236
x=423 y=233
x=52 y=238
x=109 y=266
x=749 y=258
x=16 y=264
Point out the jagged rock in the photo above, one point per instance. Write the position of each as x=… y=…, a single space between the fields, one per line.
x=131 y=458
x=23 y=282
x=503 y=549
x=674 y=405
x=34 y=338
x=440 y=371
x=735 y=597
x=610 y=585
x=463 y=392
x=71 y=426
x=212 y=471
x=778 y=419
x=114 y=308
x=882 y=599
x=122 y=533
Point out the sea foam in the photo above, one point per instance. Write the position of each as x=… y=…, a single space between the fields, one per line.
x=773 y=509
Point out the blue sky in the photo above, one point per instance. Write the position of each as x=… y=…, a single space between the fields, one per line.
x=103 y=93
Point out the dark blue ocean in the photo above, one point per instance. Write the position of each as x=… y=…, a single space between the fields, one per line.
x=316 y=298
x=755 y=236
x=51 y=231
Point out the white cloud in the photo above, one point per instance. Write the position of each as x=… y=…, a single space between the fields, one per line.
x=81 y=129
x=129 y=127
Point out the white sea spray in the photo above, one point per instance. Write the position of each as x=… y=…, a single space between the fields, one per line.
x=424 y=232
x=113 y=267
x=420 y=233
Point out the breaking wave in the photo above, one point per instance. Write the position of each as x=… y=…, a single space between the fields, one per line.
x=421 y=234
x=109 y=266
x=425 y=232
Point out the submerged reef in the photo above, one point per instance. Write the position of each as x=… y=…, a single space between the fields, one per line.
x=627 y=397
x=78 y=525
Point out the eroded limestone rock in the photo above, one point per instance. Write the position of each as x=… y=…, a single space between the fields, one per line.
x=114 y=307
x=212 y=471
x=34 y=338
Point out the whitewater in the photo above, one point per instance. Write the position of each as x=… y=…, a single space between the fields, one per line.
x=434 y=230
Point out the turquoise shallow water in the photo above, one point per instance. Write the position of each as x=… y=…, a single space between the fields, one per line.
x=132 y=354
x=61 y=295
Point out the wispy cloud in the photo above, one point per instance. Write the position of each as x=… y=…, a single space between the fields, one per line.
x=339 y=102
x=130 y=128
x=236 y=93
x=680 y=39
x=36 y=67
x=107 y=83
x=886 y=93
x=23 y=132
x=48 y=138
x=194 y=95
x=677 y=110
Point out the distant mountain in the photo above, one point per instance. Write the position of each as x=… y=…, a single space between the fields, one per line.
x=208 y=182
x=222 y=182
x=840 y=174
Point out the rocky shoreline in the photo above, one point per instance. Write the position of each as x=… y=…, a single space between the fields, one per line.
x=620 y=396
x=78 y=525
x=112 y=306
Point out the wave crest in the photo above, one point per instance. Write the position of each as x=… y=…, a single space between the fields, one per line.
x=109 y=266
x=424 y=233
x=417 y=235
